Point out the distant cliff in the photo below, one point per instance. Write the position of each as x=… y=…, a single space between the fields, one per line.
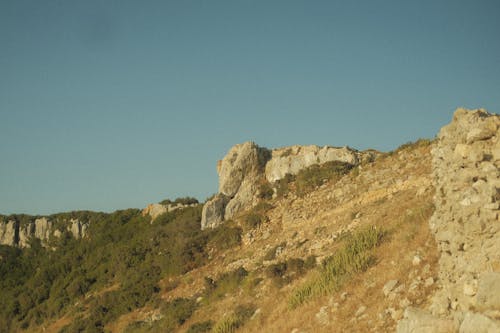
x=15 y=231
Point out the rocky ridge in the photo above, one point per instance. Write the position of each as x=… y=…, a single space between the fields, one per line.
x=247 y=166
x=466 y=161
x=16 y=233
x=156 y=209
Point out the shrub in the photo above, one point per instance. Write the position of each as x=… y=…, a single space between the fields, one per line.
x=265 y=191
x=252 y=220
x=235 y=320
x=179 y=310
x=182 y=201
x=315 y=175
x=283 y=185
x=225 y=236
x=226 y=283
x=415 y=144
x=285 y=272
x=353 y=257
x=202 y=327
x=272 y=252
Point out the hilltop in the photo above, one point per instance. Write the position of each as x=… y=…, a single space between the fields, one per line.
x=297 y=239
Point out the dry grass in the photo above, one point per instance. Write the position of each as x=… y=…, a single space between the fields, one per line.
x=384 y=196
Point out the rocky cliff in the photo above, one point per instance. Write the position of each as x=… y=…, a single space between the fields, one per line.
x=156 y=209
x=466 y=161
x=247 y=166
x=18 y=233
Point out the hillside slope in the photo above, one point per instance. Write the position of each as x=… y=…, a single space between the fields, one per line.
x=377 y=242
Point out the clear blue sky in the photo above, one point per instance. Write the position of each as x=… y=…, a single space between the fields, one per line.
x=113 y=104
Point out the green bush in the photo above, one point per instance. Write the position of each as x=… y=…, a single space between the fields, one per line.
x=202 y=327
x=235 y=320
x=310 y=178
x=265 y=191
x=252 y=221
x=283 y=273
x=182 y=201
x=225 y=236
x=355 y=256
x=179 y=310
x=225 y=284
x=123 y=249
x=283 y=185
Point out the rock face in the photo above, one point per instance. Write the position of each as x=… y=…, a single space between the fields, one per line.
x=290 y=160
x=246 y=166
x=9 y=233
x=466 y=161
x=13 y=233
x=213 y=211
x=156 y=209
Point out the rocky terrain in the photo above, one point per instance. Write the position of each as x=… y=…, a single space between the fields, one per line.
x=308 y=239
x=246 y=167
x=18 y=233
x=466 y=161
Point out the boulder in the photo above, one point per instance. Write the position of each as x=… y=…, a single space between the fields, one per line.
x=243 y=161
x=419 y=321
x=213 y=211
x=477 y=323
x=154 y=210
x=488 y=293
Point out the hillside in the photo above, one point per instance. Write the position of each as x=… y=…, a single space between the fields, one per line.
x=297 y=239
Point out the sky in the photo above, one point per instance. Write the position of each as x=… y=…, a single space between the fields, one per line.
x=107 y=105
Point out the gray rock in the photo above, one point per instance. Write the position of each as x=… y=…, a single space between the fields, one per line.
x=419 y=321
x=9 y=233
x=488 y=293
x=246 y=166
x=213 y=211
x=290 y=160
x=389 y=286
x=323 y=317
x=477 y=323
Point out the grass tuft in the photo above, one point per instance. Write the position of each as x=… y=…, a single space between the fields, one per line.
x=355 y=256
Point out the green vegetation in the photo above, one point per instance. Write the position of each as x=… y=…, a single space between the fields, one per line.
x=225 y=236
x=285 y=272
x=202 y=327
x=271 y=253
x=182 y=201
x=227 y=283
x=316 y=175
x=113 y=271
x=310 y=178
x=410 y=145
x=265 y=191
x=230 y=323
x=355 y=256
x=256 y=216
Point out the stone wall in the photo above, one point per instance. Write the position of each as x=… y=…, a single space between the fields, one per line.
x=466 y=161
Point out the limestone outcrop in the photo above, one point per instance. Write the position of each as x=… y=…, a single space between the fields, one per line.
x=156 y=209
x=466 y=161
x=290 y=160
x=15 y=233
x=246 y=166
